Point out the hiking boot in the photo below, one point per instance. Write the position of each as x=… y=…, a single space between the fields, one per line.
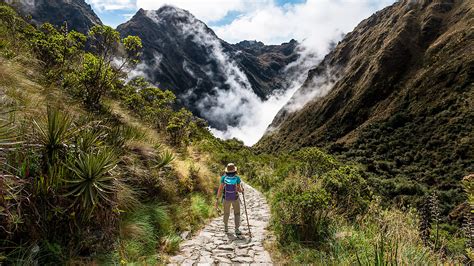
x=237 y=232
x=226 y=229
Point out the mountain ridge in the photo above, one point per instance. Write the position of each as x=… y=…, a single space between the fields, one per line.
x=187 y=57
x=78 y=14
x=401 y=97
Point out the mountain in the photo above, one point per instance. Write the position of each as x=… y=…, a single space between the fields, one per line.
x=184 y=55
x=396 y=94
x=77 y=13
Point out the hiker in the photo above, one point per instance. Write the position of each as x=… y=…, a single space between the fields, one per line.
x=230 y=183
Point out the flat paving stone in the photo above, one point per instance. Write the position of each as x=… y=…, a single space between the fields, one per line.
x=212 y=246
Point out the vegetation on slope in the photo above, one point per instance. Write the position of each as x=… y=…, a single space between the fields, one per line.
x=93 y=168
x=401 y=102
x=325 y=211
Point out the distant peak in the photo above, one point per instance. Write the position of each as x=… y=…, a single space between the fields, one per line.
x=251 y=43
x=170 y=13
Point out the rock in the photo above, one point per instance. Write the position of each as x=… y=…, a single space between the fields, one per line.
x=243 y=259
x=185 y=235
x=241 y=252
x=262 y=257
x=178 y=258
x=226 y=247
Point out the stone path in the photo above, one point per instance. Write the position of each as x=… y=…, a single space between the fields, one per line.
x=212 y=246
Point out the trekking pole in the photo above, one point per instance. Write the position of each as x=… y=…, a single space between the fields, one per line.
x=246 y=215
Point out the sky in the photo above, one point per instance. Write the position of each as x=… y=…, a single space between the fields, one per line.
x=270 y=21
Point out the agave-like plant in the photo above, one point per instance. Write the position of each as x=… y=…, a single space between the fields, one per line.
x=54 y=133
x=92 y=181
x=163 y=159
x=89 y=139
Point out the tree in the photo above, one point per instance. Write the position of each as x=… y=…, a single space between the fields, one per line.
x=149 y=102
x=57 y=49
x=100 y=69
x=179 y=126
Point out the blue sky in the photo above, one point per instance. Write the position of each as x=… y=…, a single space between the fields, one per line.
x=315 y=22
x=115 y=14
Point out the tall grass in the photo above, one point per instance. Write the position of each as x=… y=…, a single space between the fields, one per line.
x=142 y=230
x=200 y=207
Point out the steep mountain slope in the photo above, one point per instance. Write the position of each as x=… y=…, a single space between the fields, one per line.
x=182 y=54
x=77 y=13
x=396 y=94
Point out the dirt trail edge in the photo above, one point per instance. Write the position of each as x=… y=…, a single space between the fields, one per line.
x=213 y=246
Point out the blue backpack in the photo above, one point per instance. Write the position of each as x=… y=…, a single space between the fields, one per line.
x=230 y=189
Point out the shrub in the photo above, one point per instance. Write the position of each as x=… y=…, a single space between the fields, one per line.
x=180 y=127
x=54 y=134
x=91 y=181
x=302 y=210
x=141 y=231
x=313 y=161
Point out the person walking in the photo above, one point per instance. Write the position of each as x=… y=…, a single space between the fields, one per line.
x=230 y=186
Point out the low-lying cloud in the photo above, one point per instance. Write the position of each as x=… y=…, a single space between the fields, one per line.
x=238 y=106
x=316 y=23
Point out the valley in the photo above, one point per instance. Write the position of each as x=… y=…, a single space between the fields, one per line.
x=112 y=141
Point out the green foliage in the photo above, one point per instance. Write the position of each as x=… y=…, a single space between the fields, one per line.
x=91 y=181
x=105 y=41
x=14 y=32
x=313 y=161
x=8 y=141
x=9 y=18
x=468 y=184
x=57 y=48
x=180 y=127
x=171 y=243
x=141 y=231
x=54 y=134
x=301 y=207
x=149 y=103
x=98 y=74
x=132 y=46
x=88 y=139
x=163 y=159
x=94 y=79
x=200 y=207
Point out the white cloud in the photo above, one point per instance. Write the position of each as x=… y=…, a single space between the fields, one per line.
x=314 y=22
x=208 y=10
x=112 y=4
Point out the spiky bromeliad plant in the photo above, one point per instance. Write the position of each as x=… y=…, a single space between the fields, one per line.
x=92 y=180
x=163 y=159
x=54 y=133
